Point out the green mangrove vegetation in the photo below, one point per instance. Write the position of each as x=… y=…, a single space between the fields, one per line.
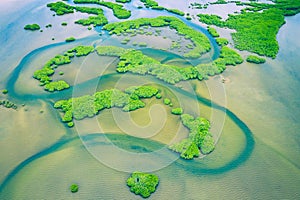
x=255 y=59
x=255 y=31
x=176 y=11
x=287 y=7
x=197 y=5
x=74 y=188
x=98 y=20
x=32 y=27
x=81 y=50
x=201 y=42
x=149 y=3
x=199 y=138
x=123 y=1
x=44 y=74
x=60 y=8
x=90 y=105
x=177 y=111
x=135 y=61
x=219 y=2
x=4 y=91
x=167 y=101
x=212 y=31
x=56 y=86
x=154 y=5
x=8 y=104
x=222 y=41
x=118 y=10
x=142 y=183
x=70 y=39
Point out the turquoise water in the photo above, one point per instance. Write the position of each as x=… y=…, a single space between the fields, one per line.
x=256 y=155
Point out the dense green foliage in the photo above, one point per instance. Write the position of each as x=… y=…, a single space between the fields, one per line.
x=167 y=101
x=61 y=8
x=219 y=2
x=93 y=20
x=255 y=59
x=142 y=183
x=202 y=44
x=199 y=138
x=154 y=5
x=90 y=105
x=74 y=188
x=4 y=91
x=81 y=50
x=56 y=86
x=70 y=39
x=98 y=20
x=227 y=57
x=212 y=31
x=123 y=1
x=64 y=23
x=222 y=41
x=32 y=27
x=44 y=74
x=177 y=111
x=255 y=31
x=136 y=62
x=118 y=10
x=288 y=7
x=8 y=104
x=176 y=11
x=149 y=3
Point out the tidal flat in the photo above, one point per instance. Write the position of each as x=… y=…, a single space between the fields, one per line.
x=253 y=110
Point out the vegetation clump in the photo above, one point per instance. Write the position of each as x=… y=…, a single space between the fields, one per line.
x=201 y=42
x=212 y=31
x=44 y=74
x=255 y=59
x=56 y=86
x=81 y=50
x=287 y=7
x=199 y=138
x=219 y=2
x=142 y=183
x=167 y=101
x=136 y=62
x=118 y=10
x=176 y=11
x=61 y=8
x=90 y=105
x=4 y=91
x=177 y=111
x=255 y=31
x=8 y=104
x=154 y=5
x=32 y=27
x=222 y=41
x=70 y=39
x=123 y=1
x=98 y=20
x=74 y=188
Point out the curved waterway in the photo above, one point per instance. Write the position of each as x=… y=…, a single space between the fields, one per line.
x=261 y=163
x=127 y=142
